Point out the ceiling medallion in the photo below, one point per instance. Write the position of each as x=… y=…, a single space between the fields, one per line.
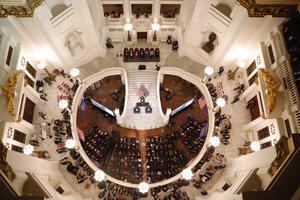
x=24 y=10
x=257 y=10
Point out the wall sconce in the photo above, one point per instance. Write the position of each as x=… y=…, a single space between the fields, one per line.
x=155 y=28
x=128 y=28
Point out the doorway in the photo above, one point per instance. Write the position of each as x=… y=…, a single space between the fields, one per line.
x=142 y=35
x=28 y=110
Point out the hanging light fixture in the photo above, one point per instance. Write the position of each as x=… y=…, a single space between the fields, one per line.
x=215 y=141
x=187 y=174
x=209 y=70
x=255 y=146
x=74 y=72
x=63 y=104
x=143 y=187
x=41 y=64
x=28 y=149
x=70 y=143
x=221 y=102
x=99 y=175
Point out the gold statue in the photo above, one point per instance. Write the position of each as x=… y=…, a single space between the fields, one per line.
x=271 y=86
x=9 y=90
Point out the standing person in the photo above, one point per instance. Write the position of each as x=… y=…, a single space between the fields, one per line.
x=43 y=97
x=240 y=88
x=236 y=98
x=62 y=72
x=221 y=70
x=42 y=115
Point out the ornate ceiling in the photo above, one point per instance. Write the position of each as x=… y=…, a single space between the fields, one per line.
x=21 y=8
x=277 y=8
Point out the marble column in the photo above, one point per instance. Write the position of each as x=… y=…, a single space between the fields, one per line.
x=156 y=11
x=127 y=11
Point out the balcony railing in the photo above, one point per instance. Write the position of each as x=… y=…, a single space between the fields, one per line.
x=115 y=21
x=169 y=21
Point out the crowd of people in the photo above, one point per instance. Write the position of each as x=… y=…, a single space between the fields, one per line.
x=163 y=159
x=141 y=54
x=214 y=163
x=120 y=157
x=172 y=190
x=193 y=134
x=125 y=162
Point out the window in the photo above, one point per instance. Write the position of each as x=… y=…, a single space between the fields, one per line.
x=28 y=110
x=288 y=127
x=265 y=145
x=19 y=136
x=9 y=55
x=251 y=68
x=271 y=54
x=263 y=133
x=169 y=10
x=113 y=10
x=253 y=79
x=30 y=70
x=29 y=81
x=17 y=148
x=141 y=10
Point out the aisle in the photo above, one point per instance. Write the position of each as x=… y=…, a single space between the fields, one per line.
x=142 y=83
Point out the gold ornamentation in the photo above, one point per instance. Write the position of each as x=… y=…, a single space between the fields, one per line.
x=20 y=11
x=259 y=10
x=4 y=166
x=9 y=90
x=272 y=86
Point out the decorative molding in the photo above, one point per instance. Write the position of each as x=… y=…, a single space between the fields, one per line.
x=25 y=10
x=260 y=10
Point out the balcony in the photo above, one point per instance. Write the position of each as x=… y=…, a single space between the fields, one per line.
x=169 y=21
x=142 y=22
x=115 y=21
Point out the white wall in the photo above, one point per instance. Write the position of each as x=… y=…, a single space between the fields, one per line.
x=242 y=30
x=47 y=172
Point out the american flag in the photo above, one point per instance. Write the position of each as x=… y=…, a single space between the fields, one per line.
x=202 y=102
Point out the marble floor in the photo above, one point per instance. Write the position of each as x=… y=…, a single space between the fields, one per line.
x=239 y=115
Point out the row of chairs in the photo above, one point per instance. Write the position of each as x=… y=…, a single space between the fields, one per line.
x=163 y=158
x=141 y=53
x=193 y=134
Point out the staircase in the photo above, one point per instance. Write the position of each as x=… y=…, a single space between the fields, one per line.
x=142 y=120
